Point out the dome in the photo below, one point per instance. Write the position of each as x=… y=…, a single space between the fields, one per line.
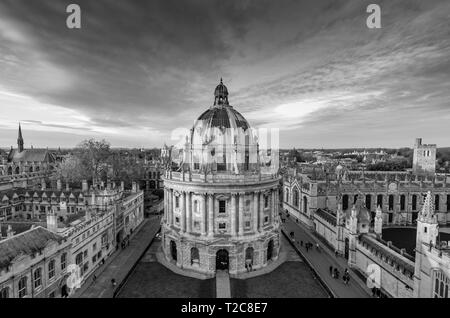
x=222 y=139
x=224 y=117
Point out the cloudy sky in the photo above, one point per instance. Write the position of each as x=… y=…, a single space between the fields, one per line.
x=139 y=70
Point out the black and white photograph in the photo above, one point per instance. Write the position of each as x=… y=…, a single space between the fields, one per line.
x=219 y=155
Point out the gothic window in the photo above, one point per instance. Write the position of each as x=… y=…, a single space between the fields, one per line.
x=368 y=201
x=222 y=226
x=441 y=283
x=287 y=196
x=345 y=202
x=414 y=202
x=305 y=204
x=402 y=202
x=391 y=202
x=380 y=200
x=448 y=202
x=296 y=201
x=355 y=198
x=436 y=202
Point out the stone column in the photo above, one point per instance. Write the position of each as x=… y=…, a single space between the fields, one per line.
x=183 y=212
x=203 y=213
x=233 y=214
x=255 y=211
x=189 y=212
x=166 y=204
x=210 y=214
x=170 y=209
x=261 y=211
x=272 y=206
x=241 y=213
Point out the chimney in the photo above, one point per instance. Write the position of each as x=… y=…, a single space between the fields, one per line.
x=122 y=185
x=134 y=186
x=58 y=185
x=43 y=185
x=84 y=186
x=52 y=223
x=67 y=186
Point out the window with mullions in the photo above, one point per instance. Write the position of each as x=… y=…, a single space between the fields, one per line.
x=441 y=282
x=222 y=206
x=22 y=287
x=51 y=269
x=37 y=275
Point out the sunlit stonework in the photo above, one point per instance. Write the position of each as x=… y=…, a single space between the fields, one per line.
x=221 y=203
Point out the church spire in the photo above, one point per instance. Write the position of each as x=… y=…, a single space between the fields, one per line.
x=20 y=140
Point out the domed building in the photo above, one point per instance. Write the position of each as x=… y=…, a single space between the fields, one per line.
x=221 y=204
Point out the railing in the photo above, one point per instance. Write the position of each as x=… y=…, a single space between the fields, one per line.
x=220 y=177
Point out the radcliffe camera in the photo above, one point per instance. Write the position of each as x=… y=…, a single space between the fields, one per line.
x=214 y=157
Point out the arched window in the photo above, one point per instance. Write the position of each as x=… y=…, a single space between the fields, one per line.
x=37 y=276
x=10 y=170
x=402 y=202
x=4 y=292
x=414 y=202
x=195 y=256
x=305 y=204
x=345 y=202
x=22 y=287
x=17 y=171
x=368 y=201
x=441 y=283
x=296 y=198
x=380 y=200
x=391 y=202
x=249 y=254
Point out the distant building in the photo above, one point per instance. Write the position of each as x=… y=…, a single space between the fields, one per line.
x=424 y=158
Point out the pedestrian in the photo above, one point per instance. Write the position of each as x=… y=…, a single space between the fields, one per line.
x=317 y=246
x=251 y=266
x=301 y=243
x=331 y=270
x=374 y=291
x=348 y=278
x=113 y=282
x=336 y=253
x=94 y=278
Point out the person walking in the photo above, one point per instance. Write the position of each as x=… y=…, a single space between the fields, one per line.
x=336 y=273
x=113 y=282
x=331 y=270
x=94 y=278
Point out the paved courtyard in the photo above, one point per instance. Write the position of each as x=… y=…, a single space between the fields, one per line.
x=150 y=279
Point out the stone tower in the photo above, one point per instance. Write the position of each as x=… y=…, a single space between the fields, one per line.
x=352 y=236
x=427 y=233
x=424 y=158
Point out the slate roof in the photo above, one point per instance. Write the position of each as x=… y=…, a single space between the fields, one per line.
x=27 y=243
x=38 y=155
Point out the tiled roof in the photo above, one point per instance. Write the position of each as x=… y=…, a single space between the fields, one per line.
x=26 y=243
x=38 y=155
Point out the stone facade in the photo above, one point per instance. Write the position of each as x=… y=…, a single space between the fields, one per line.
x=221 y=206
